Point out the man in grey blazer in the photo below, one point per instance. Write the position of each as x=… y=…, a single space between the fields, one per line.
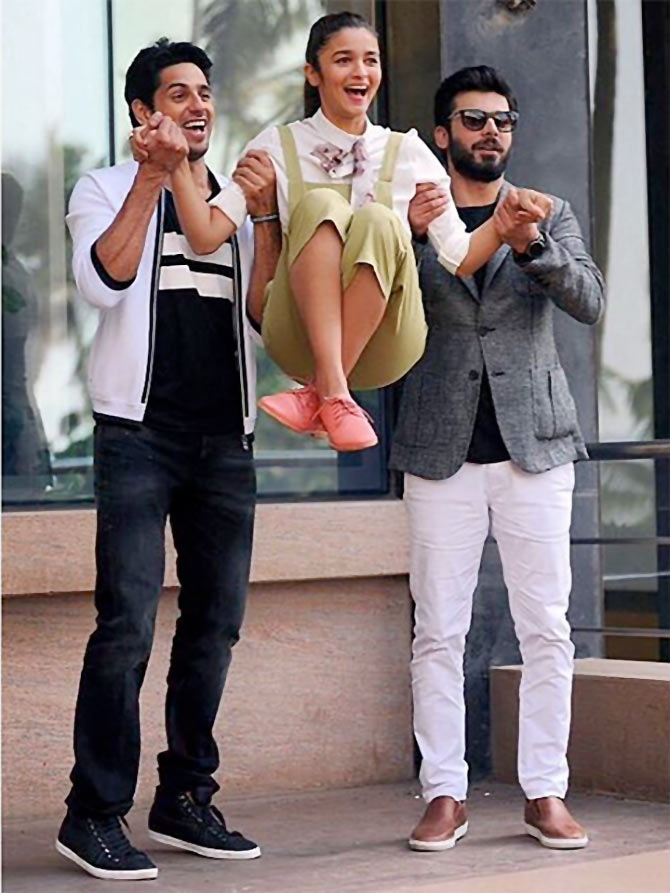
x=487 y=435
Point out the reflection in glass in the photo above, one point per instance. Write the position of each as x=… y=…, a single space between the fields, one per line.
x=258 y=52
x=26 y=465
x=622 y=245
x=54 y=128
x=626 y=410
x=631 y=572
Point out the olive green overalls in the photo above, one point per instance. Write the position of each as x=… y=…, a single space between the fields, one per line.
x=372 y=235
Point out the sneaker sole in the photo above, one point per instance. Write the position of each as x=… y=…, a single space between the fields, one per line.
x=437 y=846
x=208 y=852
x=138 y=874
x=556 y=843
x=314 y=432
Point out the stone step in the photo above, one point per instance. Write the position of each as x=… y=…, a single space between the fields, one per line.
x=620 y=739
x=317 y=694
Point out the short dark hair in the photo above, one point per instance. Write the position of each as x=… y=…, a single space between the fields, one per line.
x=144 y=74
x=320 y=33
x=482 y=78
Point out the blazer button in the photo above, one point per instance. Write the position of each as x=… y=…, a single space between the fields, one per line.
x=483 y=331
x=473 y=375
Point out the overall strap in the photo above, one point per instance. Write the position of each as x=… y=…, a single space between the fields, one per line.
x=296 y=185
x=384 y=187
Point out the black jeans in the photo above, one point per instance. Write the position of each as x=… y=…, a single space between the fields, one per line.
x=206 y=486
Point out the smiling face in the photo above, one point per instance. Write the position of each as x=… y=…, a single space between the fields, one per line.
x=476 y=154
x=348 y=77
x=185 y=96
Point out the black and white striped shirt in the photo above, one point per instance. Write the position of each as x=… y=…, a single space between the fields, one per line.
x=195 y=377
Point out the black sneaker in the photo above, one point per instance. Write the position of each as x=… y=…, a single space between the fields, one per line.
x=100 y=847
x=179 y=820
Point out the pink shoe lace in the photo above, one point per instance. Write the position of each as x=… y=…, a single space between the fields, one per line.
x=308 y=398
x=307 y=395
x=348 y=425
x=344 y=406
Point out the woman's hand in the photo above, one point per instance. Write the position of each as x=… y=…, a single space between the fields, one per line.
x=429 y=203
x=138 y=144
x=159 y=142
x=256 y=177
x=138 y=139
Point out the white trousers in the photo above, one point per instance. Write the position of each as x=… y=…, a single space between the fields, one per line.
x=529 y=516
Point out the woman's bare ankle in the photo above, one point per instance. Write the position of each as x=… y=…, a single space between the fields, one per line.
x=331 y=386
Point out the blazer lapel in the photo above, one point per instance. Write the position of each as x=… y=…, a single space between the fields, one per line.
x=494 y=264
x=471 y=285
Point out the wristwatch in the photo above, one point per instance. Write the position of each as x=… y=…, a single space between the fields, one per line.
x=533 y=250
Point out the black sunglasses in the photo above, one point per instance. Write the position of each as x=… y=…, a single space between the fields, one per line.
x=475 y=119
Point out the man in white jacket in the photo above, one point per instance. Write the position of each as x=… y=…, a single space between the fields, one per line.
x=172 y=384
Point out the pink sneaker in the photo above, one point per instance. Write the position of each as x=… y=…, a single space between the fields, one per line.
x=347 y=425
x=297 y=409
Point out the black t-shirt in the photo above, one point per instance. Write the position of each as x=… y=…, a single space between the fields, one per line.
x=486 y=444
x=195 y=380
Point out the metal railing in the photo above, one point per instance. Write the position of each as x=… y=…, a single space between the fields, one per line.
x=656 y=450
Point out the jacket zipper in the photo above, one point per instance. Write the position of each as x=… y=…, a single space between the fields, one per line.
x=158 y=250
x=239 y=332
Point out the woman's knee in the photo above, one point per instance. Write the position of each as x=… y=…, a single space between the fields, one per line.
x=374 y=215
x=375 y=228
x=319 y=204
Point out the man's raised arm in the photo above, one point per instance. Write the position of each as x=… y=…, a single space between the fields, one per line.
x=255 y=174
x=119 y=249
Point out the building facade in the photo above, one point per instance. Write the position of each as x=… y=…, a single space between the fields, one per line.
x=592 y=81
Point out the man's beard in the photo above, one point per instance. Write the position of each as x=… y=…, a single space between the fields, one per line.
x=465 y=163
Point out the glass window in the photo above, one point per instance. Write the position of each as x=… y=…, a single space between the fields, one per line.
x=622 y=242
x=54 y=128
x=69 y=123
x=634 y=583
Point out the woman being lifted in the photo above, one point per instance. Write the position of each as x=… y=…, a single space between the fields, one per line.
x=344 y=309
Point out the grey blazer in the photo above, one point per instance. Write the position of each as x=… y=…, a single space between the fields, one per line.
x=509 y=329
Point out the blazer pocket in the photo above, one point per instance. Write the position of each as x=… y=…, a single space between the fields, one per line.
x=554 y=412
x=420 y=407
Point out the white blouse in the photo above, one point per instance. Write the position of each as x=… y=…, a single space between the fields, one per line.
x=416 y=164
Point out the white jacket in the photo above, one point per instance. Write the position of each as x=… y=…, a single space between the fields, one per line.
x=121 y=358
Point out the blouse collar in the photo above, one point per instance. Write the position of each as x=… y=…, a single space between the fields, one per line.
x=329 y=131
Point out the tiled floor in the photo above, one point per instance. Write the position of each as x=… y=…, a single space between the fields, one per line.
x=354 y=840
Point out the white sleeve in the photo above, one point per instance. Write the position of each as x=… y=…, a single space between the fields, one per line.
x=231 y=198
x=90 y=213
x=447 y=232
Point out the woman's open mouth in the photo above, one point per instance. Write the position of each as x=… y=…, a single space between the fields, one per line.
x=358 y=93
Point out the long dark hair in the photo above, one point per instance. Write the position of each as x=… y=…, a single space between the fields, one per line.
x=320 y=33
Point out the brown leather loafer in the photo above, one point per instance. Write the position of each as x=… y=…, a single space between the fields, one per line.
x=548 y=820
x=443 y=823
